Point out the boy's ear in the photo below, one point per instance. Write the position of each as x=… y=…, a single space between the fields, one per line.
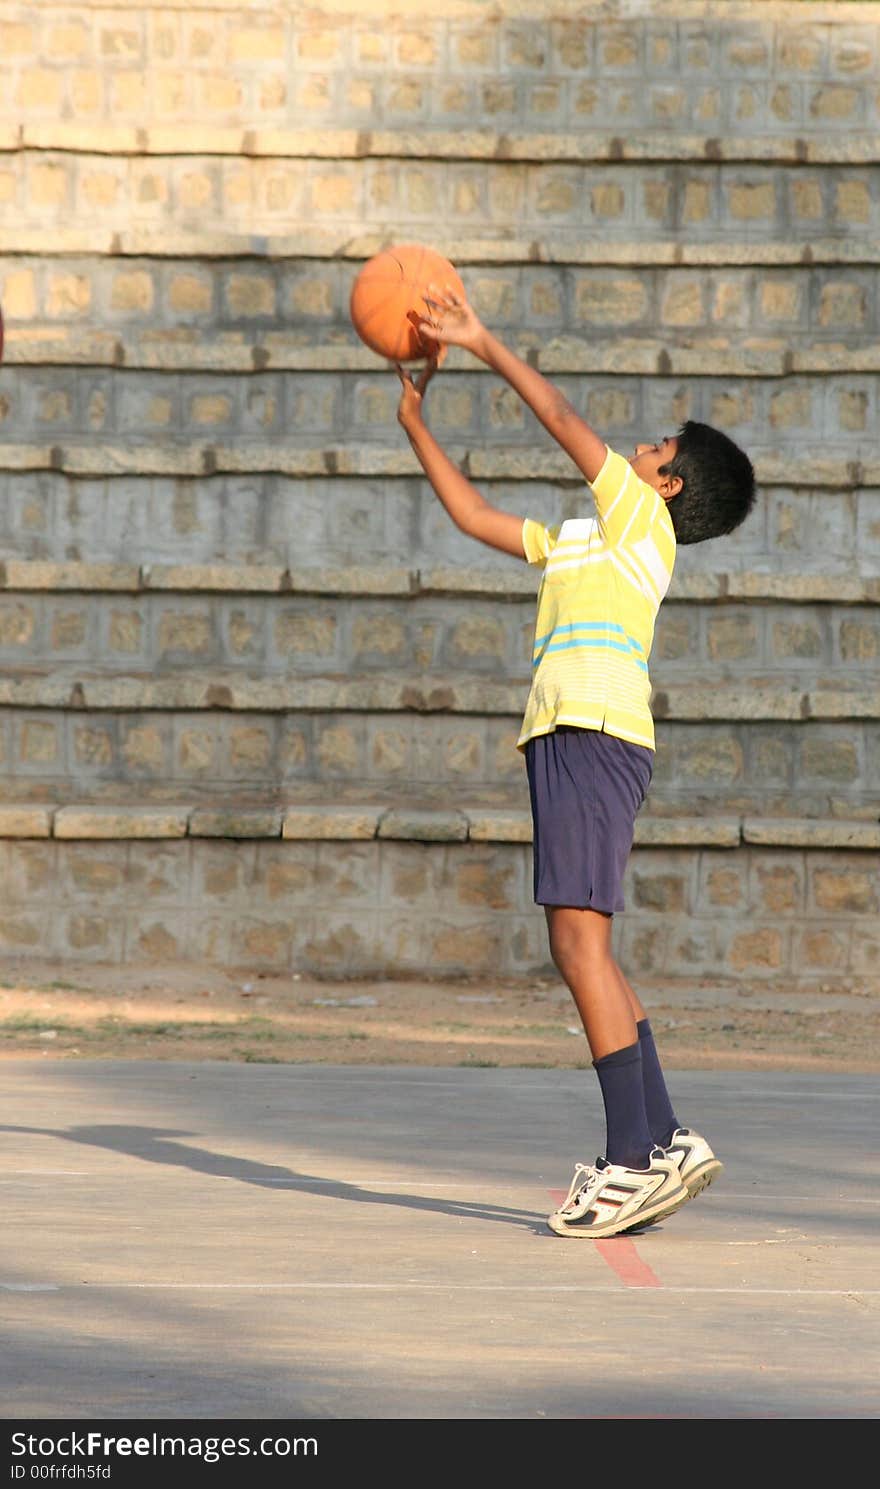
x=669 y=487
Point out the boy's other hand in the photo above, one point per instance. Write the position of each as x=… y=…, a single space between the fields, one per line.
x=450 y=320
x=413 y=389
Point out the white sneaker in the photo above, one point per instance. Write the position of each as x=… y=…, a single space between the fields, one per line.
x=605 y=1198
x=697 y=1164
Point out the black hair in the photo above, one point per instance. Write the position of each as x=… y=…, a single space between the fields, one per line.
x=718 y=484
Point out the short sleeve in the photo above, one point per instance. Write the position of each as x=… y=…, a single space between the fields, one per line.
x=538 y=541
x=625 y=505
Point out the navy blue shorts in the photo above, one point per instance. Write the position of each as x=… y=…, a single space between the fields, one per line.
x=586 y=788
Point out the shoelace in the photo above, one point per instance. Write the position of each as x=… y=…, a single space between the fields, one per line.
x=586 y=1175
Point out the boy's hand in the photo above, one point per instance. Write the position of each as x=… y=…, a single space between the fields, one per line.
x=413 y=391
x=450 y=320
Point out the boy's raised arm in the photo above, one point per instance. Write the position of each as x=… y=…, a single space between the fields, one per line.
x=466 y=506
x=452 y=322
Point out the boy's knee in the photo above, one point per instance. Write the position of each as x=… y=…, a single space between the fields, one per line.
x=579 y=938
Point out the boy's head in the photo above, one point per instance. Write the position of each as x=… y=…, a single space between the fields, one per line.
x=707 y=482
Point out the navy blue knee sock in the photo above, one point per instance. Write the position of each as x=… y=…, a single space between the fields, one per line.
x=628 y=1135
x=661 y=1117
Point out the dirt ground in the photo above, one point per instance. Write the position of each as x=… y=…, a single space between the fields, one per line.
x=184 y=1012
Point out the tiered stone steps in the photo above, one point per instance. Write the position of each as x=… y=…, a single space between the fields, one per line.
x=258 y=697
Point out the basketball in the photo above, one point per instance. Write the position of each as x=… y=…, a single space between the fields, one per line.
x=388 y=299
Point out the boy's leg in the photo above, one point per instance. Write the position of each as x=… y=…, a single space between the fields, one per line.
x=697 y=1164
x=580 y=942
x=661 y=1116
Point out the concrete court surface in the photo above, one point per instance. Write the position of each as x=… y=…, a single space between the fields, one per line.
x=207 y=1241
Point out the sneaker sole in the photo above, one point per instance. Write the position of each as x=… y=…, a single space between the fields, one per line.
x=702 y=1176
x=663 y=1207
x=694 y=1184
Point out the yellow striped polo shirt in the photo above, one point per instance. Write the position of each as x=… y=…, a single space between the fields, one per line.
x=604 y=578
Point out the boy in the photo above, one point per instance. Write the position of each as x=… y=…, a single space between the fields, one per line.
x=588 y=735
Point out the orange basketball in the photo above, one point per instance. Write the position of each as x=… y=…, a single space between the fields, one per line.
x=388 y=299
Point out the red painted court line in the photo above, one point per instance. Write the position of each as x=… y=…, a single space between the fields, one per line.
x=621 y=1255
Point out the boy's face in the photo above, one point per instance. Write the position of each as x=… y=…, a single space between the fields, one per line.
x=647 y=460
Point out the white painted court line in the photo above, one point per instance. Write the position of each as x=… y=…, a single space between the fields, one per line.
x=436 y=1287
x=391 y=1184
x=29 y=1287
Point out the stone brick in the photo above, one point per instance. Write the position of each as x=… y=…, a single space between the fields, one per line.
x=94 y=874
x=250 y=295
x=458 y=948
x=250 y=747
x=39 y=88
x=846 y=891
x=389 y=751
x=19 y=295
x=616 y=302
x=18 y=932
x=717 y=758
x=478 y=639
x=698 y=197
x=842 y=306
x=333 y=822
x=186 y=632
x=69 y=629
x=196 y=751
x=859 y=641
x=306 y=634
x=780 y=299
x=17 y=624
x=853 y=409
x=806 y=198
x=852 y=202
x=256 y=44
x=239 y=822
x=86 y=87
x=120 y=822
x=752 y=201
x=125 y=631
x=92 y=746
x=423 y=826
x=732 y=637
x=488 y=826
x=143 y=748
x=778 y=887
x=821 y=948
x=39 y=743
x=154 y=942
x=829 y=758
x=191 y=292
x=18 y=38
x=68 y=295
x=761 y=949
x=797 y=639
x=833 y=102
x=490 y=884
x=666 y=892
x=132 y=290
x=723 y=886
x=25 y=821
x=463 y=754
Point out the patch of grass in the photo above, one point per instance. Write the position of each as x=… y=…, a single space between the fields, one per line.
x=541 y=1030
x=251 y=1057
x=476 y=1064
x=25 y=1023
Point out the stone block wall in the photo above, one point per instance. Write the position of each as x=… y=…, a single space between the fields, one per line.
x=233 y=619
